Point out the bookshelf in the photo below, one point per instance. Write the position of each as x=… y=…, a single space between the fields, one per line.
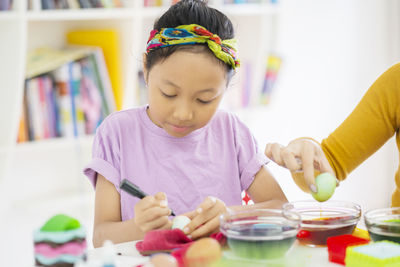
x=59 y=161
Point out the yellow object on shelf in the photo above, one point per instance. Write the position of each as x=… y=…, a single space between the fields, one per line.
x=361 y=233
x=109 y=42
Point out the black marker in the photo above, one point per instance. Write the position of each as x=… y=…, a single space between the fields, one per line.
x=134 y=190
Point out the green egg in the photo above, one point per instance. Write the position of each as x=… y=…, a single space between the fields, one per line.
x=326 y=184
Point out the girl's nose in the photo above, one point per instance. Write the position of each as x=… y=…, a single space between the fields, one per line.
x=183 y=112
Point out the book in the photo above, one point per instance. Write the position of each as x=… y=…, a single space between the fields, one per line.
x=23 y=131
x=5 y=4
x=108 y=41
x=271 y=74
x=64 y=101
x=46 y=59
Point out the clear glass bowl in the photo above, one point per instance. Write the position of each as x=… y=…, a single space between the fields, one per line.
x=320 y=220
x=261 y=233
x=383 y=224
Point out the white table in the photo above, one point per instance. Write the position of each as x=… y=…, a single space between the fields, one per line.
x=298 y=256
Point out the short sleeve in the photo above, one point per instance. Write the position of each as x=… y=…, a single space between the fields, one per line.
x=250 y=158
x=105 y=155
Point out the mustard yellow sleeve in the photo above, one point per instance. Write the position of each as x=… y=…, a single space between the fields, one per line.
x=375 y=119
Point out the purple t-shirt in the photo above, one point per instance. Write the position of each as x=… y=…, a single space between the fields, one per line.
x=220 y=159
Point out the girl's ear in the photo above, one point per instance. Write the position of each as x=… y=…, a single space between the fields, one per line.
x=144 y=68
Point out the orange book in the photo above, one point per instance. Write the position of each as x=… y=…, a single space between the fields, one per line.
x=108 y=41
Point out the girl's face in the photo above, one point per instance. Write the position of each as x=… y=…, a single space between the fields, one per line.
x=185 y=91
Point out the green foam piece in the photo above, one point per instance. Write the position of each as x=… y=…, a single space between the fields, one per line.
x=59 y=223
x=377 y=254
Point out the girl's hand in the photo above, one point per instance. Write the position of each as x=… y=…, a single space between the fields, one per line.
x=205 y=219
x=302 y=157
x=152 y=213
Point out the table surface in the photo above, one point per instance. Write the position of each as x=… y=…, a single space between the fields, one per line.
x=299 y=256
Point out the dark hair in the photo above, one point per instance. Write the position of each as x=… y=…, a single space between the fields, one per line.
x=191 y=12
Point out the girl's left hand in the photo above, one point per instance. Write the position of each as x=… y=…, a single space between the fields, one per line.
x=205 y=219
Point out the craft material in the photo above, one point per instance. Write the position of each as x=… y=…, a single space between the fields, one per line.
x=61 y=241
x=382 y=254
x=337 y=246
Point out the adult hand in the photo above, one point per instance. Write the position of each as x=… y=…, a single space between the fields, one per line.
x=304 y=158
x=152 y=213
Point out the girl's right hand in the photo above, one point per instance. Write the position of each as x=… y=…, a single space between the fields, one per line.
x=152 y=213
x=304 y=158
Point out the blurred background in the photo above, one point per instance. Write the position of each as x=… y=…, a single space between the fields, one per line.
x=305 y=66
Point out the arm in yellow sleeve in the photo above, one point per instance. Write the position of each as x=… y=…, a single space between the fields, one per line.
x=375 y=119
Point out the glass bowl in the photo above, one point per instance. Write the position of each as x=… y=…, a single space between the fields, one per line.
x=320 y=220
x=260 y=233
x=383 y=224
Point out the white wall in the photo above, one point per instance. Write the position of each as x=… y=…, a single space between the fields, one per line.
x=332 y=52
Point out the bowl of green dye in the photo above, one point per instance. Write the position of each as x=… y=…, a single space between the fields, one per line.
x=383 y=224
x=261 y=233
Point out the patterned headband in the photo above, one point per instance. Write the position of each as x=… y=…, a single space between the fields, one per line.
x=195 y=34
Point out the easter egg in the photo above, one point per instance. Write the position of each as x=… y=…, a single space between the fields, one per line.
x=203 y=252
x=180 y=222
x=326 y=185
x=164 y=260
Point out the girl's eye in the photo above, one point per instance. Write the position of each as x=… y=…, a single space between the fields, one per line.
x=204 y=102
x=168 y=96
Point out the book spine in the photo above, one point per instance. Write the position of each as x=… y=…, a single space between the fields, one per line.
x=64 y=101
x=75 y=85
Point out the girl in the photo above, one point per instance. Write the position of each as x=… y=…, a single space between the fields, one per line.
x=179 y=143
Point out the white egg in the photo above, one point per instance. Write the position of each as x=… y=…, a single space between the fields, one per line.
x=180 y=222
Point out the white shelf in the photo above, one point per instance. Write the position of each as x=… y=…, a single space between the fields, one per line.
x=8 y=15
x=228 y=9
x=54 y=143
x=248 y=9
x=81 y=14
x=151 y=12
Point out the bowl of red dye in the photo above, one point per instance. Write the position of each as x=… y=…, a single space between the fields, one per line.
x=383 y=224
x=319 y=221
x=260 y=234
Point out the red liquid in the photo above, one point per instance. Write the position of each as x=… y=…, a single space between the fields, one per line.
x=318 y=236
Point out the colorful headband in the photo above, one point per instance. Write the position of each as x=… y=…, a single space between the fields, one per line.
x=195 y=34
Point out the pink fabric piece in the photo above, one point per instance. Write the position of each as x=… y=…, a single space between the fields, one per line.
x=162 y=241
x=70 y=248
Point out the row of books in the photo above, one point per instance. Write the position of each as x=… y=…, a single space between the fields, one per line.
x=67 y=94
x=77 y=4
x=5 y=5
x=250 y=1
x=151 y=3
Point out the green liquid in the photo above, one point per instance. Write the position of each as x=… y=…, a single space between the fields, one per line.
x=380 y=232
x=379 y=237
x=261 y=249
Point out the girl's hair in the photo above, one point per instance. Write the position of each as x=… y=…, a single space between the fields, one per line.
x=191 y=12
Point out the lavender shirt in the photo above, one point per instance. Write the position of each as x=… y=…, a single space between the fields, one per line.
x=220 y=159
